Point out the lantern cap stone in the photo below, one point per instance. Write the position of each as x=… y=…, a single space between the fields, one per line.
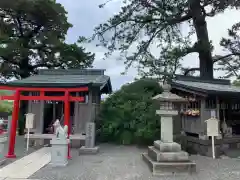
x=167 y=96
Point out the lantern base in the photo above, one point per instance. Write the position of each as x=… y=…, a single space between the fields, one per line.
x=168 y=159
x=169 y=168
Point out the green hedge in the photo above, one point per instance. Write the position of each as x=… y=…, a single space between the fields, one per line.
x=128 y=116
x=6 y=106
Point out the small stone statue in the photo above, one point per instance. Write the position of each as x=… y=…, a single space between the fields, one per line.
x=61 y=133
x=1 y=126
x=59 y=148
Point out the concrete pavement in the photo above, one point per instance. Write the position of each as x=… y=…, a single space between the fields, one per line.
x=25 y=167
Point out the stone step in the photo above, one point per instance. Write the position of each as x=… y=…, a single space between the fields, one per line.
x=167 y=147
x=169 y=168
x=158 y=156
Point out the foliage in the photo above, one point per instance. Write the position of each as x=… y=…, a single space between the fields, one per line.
x=154 y=23
x=236 y=82
x=231 y=62
x=128 y=116
x=32 y=35
x=5 y=106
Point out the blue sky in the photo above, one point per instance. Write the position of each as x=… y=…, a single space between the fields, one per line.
x=85 y=15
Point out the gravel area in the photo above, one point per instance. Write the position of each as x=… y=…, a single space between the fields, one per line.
x=20 y=150
x=125 y=163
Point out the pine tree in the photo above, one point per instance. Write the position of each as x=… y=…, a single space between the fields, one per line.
x=143 y=23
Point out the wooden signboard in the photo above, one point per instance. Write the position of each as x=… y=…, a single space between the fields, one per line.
x=29 y=125
x=212 y=127
x=212 y=130
x=29 y=121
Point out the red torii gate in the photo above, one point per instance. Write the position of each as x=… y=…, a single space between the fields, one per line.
x=17 y=97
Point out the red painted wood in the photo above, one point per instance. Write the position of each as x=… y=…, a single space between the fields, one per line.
x=17 y=97
x=79 y=99
x=77 y=89
x=42 y=97
x=42 y=94
x=16 y=106
x=45 y=98
x=66 y=108
x=7 y=97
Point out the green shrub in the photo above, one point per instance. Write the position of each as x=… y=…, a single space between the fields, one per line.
x=129 y=115
x=6 y=106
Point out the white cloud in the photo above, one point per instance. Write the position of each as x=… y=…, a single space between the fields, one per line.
x=85 y=15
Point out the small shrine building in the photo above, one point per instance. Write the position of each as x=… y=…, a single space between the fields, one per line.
x=73 y=96
x=205 y=96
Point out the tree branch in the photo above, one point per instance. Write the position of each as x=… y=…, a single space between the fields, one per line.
x=216 y=59
x=180 y=19
x=20 y=26
x=34 y=32
x=8 y=60
x=187 y=71
x=219 y=58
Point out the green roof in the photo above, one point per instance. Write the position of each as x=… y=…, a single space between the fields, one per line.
x=213 y=86
x=67 y=78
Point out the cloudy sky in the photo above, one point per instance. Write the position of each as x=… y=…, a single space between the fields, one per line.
x=85 y=15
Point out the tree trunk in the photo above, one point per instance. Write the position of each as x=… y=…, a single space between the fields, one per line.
x=204 y=46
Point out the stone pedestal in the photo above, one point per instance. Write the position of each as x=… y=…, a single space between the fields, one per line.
x=3 y=140
x=167 y=132
x=59 y=152
x=167 y=158
x=89 y=147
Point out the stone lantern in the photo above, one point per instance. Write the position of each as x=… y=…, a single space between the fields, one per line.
x=168 y=108
x=165 y=157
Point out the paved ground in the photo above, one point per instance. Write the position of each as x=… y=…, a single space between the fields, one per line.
x=20 y=149
x=15 y=179
x=28 y=165
x=125 y=163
